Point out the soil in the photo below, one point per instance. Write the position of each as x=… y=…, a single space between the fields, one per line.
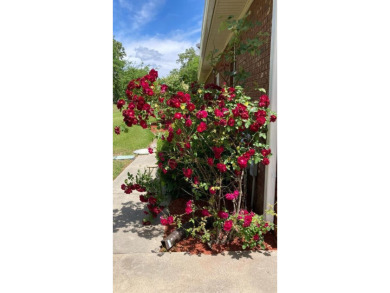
x=153 y=128
x=195 y=246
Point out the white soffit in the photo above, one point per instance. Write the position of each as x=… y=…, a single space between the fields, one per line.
x=215 y=12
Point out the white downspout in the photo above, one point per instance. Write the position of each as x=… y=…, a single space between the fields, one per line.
x=270 y=170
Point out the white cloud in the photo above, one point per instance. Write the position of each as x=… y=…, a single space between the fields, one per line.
x=166 y=48
x=144 y=53
x=141 y=13
x=159 y=50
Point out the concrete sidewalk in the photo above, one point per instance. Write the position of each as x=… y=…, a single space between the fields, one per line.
x=180 y=272
x=140 y=267
x=130 y=235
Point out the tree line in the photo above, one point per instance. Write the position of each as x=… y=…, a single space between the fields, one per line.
x=177 y=80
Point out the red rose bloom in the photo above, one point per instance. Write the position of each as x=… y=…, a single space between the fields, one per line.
x=170 y=220
x=242 y=162
x=143 y=198
x=163 y=221
x=201 y=114
x=254 y=127
x=251 y=152
x=260 y=113
x=177 y=115
x=117 y=130
x=265 y=152
x=227 y=226
x=120 y=104
x=164 y=88
x=256 y=237
x=190 y=107
x=218 y=151
x=247 y=221
x=261 y=120
x=152 y=200
x=210 y=161
x=231 y=121
x=265 y=161
x=187 y=172
x=223 y=215
x=273 y=118
x=172 y=164
x=188 y=122
x=205 y=213
x=212 y=190
x=178 y=132
x=266 y=225
x=229 y=196
x=222 y=122
x=264 y=101
x=201 y=127
x=221 y=167
x=218 y=113
x=143 y=124
x=150 y=150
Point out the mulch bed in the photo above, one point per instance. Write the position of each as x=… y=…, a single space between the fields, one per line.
x=195 y=246
x=153 y=128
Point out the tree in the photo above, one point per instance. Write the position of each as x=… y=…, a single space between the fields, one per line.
x=118 y=69
x=180 y=79
x=189 y=61
x=124 y=71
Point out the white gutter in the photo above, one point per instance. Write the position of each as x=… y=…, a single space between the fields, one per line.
x=207 y=17
x=270 y=171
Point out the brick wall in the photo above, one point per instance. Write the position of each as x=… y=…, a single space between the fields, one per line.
x=258 y=66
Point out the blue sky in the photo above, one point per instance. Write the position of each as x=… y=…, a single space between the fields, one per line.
x=155 y=31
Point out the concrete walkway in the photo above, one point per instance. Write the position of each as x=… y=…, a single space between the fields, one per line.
x=130 y=235
x=140 y=267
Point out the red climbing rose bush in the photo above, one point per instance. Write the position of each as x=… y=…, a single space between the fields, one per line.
x=214 y=134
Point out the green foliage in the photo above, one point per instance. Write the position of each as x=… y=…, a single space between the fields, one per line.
x=189 y=61
x=180 y=79
x=118 y=68
x=152 y=185
x=173 y=182
x=174 y=81
x=237 y=46
x=124 y=70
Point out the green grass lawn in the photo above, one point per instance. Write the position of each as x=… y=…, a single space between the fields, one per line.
x=126 y=143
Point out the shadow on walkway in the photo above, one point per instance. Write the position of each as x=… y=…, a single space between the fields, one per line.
x=129 y=219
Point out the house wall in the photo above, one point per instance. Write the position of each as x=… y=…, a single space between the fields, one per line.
x=259 y=67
